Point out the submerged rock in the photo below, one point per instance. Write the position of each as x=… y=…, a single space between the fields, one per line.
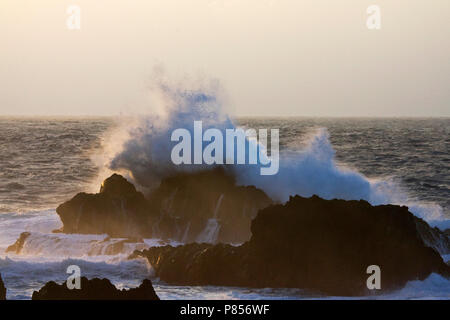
x=313 y=244
x=2 y=289
x=36 y=243
x=95 y=289
x=110 y=246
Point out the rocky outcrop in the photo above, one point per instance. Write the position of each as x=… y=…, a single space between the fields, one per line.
x=110 y=246
x=205 y=206
x=17 y=246
x=309 y=243
x=2 y=289
x=95 y=289
x=434 y=237
x=118 y=210
x=447 y=232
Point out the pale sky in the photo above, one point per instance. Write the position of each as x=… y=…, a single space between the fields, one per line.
x=272 y=57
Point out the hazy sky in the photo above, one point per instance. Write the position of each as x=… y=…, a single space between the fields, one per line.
x=272 y=57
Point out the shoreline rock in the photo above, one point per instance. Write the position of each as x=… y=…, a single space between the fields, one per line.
x=204 y=206
x=2 y=289
x=17 y=246
x=433 y=237
x=95 y=289
x=314 y=244
x=118 y=210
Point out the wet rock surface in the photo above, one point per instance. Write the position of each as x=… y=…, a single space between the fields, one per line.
x=2 y=289
x=118 y=210
x=309 y=243
x=17 y=246
x=95 y=289
x=205 y=206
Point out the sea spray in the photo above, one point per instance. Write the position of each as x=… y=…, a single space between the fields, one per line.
x=211 y=231
x=139 y=146
x=143 y=154
x=25 y=274
x=77 y=245
x=235 y=146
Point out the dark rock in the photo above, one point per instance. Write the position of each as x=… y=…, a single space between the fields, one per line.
x=199 y=264
x=118 y=210
x=110 y=246
x=2 y=289
x=204 y=206
x=95 y=289
x=433 y=237
x=18 y=245
x=313 y=244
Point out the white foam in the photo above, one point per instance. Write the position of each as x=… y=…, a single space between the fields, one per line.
x=75 y=245
x=22 y=275
x=143 y=149
x=434 y=287
x=314 y=170
x=13 y=224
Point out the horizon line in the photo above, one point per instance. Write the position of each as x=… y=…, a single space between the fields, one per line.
x=233 y=116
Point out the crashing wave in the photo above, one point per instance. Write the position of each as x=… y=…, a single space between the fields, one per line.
x=142 y=150
x=62 y=245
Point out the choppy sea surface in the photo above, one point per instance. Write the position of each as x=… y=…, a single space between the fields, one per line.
x=45 y=161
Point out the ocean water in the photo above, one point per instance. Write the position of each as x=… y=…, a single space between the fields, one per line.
x=45 y=161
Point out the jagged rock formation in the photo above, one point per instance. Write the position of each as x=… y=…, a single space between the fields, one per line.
x=309 y=243
x=110 y=246
x=95 y=289
x=118 y=210
x=18 y=245
x=204 y=206
x=2 y=289
x=447 y=232
x=434 y=237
